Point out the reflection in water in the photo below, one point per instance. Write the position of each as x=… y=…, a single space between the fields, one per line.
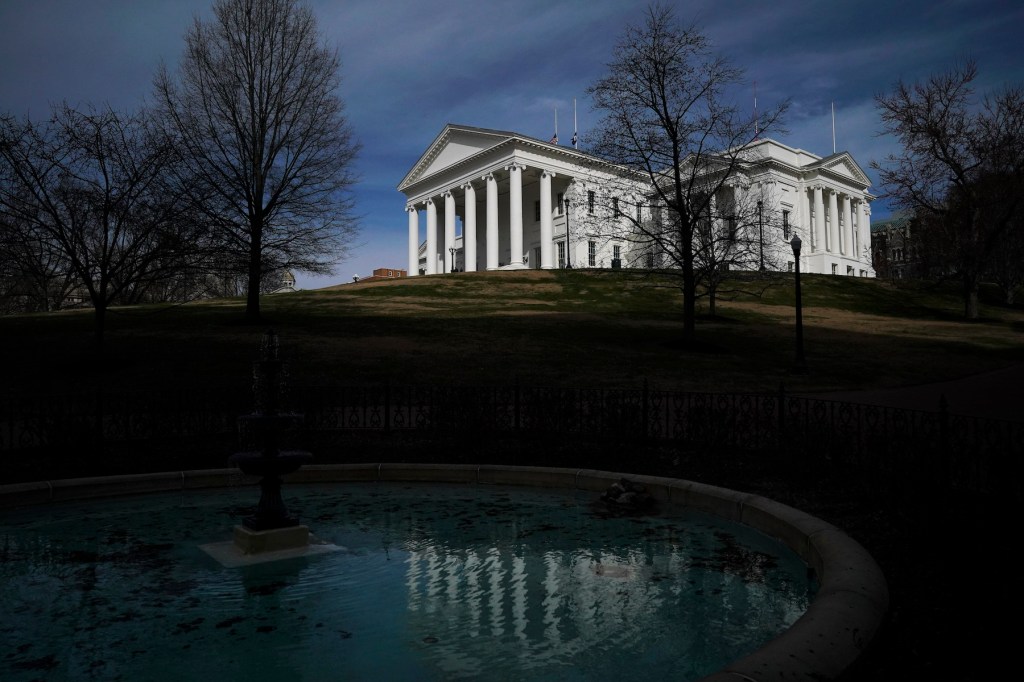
x=437 y=583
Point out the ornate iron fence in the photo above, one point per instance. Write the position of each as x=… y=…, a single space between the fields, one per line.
x=887 y=443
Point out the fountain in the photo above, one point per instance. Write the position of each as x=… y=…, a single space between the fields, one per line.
x=271 y=532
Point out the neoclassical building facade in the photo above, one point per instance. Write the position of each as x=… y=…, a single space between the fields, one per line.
x=526 y=203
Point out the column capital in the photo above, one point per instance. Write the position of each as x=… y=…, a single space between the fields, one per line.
x=515 y=165
x=448 y=194
x=411 y=207
x=544 y=172
x=489 y=177
x=467 y=185
x=429 y=201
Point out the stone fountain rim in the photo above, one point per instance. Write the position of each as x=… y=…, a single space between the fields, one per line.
x=822 y=644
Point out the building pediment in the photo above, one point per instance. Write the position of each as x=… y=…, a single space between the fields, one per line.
x=455 y=143
x=842 y=165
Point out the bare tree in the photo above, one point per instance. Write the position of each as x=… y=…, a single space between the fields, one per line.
x=668 y=117
x=35 y=275
x=1006 y=267
x=263 y=133
x=91 y=190
x=736 y=235
x=961 y=168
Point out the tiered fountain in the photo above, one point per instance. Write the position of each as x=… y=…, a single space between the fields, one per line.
x=271 y=532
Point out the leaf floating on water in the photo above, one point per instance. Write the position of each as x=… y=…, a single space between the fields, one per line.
x=269 y=588
x=230 y=621
x=430 y=639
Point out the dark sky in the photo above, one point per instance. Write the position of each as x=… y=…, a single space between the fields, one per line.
x=411 y=66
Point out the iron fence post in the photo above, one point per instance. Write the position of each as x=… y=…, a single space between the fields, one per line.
x=515 y=404
x=646 y=410
x=782 y=418
x=945 y=475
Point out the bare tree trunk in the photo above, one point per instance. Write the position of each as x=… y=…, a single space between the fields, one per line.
x=252 y=297
x=100 y=319
x=970 y=296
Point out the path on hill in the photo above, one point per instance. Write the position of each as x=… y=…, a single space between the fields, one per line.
x=996 y=395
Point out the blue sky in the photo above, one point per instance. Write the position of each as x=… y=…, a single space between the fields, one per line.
x=411 y=66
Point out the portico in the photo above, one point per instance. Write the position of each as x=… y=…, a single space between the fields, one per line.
x=518 y=221
x=825 y=200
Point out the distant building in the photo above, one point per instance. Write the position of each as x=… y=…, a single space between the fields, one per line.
x=515 y=196
x=892 y=250
x=389 y=273
x=380 y=274
x=286 y=285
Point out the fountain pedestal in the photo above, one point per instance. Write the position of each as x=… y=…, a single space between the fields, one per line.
x=257 y=541
x=271 y=532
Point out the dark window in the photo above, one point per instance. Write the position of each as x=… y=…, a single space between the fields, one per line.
x=785 y=224
x=639 y=211
x=615 y=206
x=591 y=254
x=536 y=211
x=590 y=202
x=561 y=199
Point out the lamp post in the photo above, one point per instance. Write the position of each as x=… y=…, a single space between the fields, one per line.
x=801 y=364
x=451 y=250
x=568 y=250
x=760 y=233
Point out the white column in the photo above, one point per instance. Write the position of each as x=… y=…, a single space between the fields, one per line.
x=833 y=217
x=864 y=225
x=847 y=227
x=515 y=207
x=414 y=241
x=449 y=231
x=431 y=237
x=492 y=221
x=469 y=228
x=819 y=220
x=546 y=229
x=855 y=228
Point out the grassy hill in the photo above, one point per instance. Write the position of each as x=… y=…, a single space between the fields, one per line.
x=577 y=328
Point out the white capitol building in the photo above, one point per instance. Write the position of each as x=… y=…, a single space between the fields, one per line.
x=514 y=196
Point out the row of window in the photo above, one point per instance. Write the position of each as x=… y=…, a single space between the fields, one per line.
x=590 y=206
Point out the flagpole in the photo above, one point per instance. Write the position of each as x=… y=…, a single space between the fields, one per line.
x=575 y=143
x=756 y=132
x=833 y=127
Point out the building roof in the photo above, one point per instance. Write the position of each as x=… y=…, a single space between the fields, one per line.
x=897 y=221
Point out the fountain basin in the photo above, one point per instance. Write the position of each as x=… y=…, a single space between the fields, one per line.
x=823 y=642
